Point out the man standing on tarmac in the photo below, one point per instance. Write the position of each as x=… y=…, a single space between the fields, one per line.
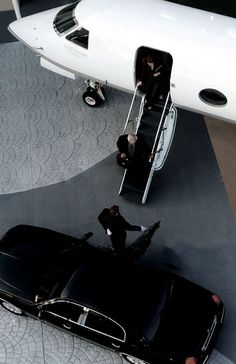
x=116 y=226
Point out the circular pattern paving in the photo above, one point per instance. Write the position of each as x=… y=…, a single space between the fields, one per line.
x=47 y=133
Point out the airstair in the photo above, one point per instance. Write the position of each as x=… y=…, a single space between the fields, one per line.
x=158 y=127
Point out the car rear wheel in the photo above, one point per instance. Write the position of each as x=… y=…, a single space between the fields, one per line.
x=12 y=308
x=133 y=360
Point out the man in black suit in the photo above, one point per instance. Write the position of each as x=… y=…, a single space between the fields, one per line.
x=150 y=80
x=133 y=150
x=116 y=226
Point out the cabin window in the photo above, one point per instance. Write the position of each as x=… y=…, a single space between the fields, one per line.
x=104 y=326
x=65 y=18
x=79 y=37
x=213 y=97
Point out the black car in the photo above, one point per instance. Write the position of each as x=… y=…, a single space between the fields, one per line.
x=147 y=315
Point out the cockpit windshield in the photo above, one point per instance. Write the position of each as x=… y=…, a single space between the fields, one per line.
x=79 y=37
x=65 y=18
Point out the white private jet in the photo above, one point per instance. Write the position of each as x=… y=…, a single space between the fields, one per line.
x=106 y=41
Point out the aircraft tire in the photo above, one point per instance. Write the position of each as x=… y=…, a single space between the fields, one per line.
x=92 y=99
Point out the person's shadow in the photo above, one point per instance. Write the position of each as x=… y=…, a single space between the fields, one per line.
x=164 y=258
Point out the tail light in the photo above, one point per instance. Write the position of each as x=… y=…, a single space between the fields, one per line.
x=191 y=360
x=216 y=299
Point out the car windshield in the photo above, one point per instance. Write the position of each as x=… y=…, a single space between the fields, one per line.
x=79 y=37
x=65 y=18
x=49 y=282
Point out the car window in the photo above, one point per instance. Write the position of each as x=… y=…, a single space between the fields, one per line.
x=79 y=37
x=104 y=325
x=65 y=19
x=66 y=310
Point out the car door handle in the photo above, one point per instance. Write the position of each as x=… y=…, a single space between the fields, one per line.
x=115 y=345
x=67 y=326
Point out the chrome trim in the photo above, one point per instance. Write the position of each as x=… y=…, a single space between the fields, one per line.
x=108 y=318
x=210 y=334
x=82 y=318
x=222 y=315
x=206 y=358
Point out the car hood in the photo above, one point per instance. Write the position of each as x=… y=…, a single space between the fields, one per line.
x=185 y=322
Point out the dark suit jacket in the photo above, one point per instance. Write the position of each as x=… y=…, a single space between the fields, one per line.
x=142 y=150
x=117 y=224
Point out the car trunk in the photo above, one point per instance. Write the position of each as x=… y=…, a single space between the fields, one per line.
x=185 y=322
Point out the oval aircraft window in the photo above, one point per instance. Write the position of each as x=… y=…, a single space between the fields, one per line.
x=213 y=97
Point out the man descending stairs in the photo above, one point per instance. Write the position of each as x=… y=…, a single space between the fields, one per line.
x=155 y=127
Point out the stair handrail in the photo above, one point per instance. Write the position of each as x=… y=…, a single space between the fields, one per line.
x=140 y=114
x=157 y=137
x=131 y=106
x=147 y=185
x=158 y=133
x=122 y=181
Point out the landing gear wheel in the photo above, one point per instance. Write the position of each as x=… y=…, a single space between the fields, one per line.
x=92 y=99
x=12 y=308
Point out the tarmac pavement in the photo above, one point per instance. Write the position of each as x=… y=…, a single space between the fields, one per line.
x=58 y=170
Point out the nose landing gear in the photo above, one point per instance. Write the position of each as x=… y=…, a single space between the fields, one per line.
x=95 y=94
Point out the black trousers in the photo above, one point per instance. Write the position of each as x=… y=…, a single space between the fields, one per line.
x=118 y=242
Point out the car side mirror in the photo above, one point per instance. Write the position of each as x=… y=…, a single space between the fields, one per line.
x=87 y=235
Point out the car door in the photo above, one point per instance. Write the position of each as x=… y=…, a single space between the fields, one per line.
x=139 y=246
x=62 y=313
x=84 y=322
x=102 y=329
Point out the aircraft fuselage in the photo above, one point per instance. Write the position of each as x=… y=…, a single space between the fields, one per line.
x=101 y=40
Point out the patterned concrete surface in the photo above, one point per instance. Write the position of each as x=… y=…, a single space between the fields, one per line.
x=24 y=340
x=47 y=133
x=39 y=148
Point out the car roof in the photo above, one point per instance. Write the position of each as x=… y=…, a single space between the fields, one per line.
x=129 y=293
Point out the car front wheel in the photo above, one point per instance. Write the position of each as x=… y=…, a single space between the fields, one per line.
x=133 y=360
x=12 y=308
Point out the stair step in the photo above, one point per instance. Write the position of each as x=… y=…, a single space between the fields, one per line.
x=150 y=123
x=151 y=118
x=137 y=177
x=131 y=187
x=144 y=129
x=148 y=135
x=161 y=103
x=131 y=195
